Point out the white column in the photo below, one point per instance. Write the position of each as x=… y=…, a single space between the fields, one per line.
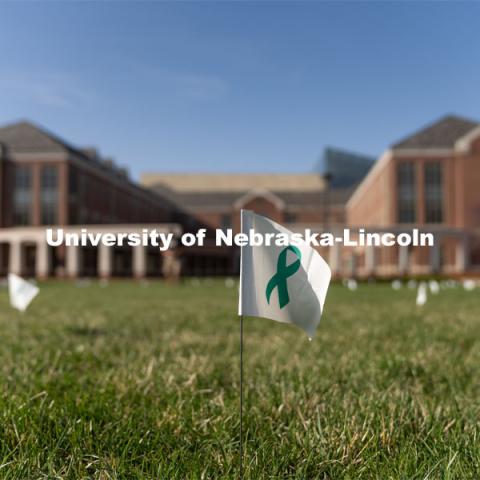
x=42 y=259
x=461 y=255
x=72 y=261
x=139 y=261
x=403 y=259
x=435 y=256
x=370 y=259
x=104 y=261
x=334 y=258
x=15 y=261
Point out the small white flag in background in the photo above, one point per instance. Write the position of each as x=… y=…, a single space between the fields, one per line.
x=21 y=292
x=469 y=285
x=434 y=286
x=352 y=284
x=422 y=294
x=283 y=283
x=396 y=284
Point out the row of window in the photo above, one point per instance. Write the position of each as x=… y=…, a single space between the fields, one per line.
x=23 y=196
x=407 y=192
x=406 y=182
x=117 y=206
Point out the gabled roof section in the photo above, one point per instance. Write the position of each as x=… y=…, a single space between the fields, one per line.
x=26 y=137
x=234 y=182
x=256 y=193
x=442 y=134
x=222 y=200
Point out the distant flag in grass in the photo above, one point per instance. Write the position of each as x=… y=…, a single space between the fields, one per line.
x=396 y=284
x=352 y=284
x=434 y=286
x=286 y=283
x=422 y=294
x=21 y=292
x=469 y=285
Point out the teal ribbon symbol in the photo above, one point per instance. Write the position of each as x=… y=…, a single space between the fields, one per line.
x=279 y=280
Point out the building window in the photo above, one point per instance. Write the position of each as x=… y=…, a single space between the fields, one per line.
x=49 y=195
x=290 y=217
x=73 y=189
x=433 y=192
x=406 y=192
x=225 y=221
x=22 y=195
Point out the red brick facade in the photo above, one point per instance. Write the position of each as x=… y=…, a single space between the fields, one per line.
x=375 y=203
x=428 y=181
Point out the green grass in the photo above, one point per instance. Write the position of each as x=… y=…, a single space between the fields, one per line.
x=143 y=383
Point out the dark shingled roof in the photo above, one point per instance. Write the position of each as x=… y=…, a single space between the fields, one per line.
x=25 y=137
x=441 y=134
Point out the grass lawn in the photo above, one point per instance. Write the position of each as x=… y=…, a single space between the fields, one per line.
x=142 y=382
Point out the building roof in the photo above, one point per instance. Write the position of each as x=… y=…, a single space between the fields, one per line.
x=25 y=137
x=234 y=182
x=442 y=133
x=224 y=200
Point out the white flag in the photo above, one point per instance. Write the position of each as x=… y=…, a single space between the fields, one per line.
x=21 y=292
x=422 y=294
x=352 y=284
x=396 y=284
x=285 y=283
x=469 y=285
x=434 y=286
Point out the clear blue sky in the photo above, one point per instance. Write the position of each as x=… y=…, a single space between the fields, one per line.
x=237 y=86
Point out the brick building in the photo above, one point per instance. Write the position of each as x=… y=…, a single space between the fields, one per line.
x=429 y=180
x=291 y=199
x=45 y=181
x=297 y=201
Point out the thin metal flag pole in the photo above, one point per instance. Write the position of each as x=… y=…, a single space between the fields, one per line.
x=241 y=352
x=241 y=397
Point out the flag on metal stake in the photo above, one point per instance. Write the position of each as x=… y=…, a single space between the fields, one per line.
x=283 y=283
x=286 y=283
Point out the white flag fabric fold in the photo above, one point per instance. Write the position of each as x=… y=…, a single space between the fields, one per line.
x=21 y=292
x=286 y=283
